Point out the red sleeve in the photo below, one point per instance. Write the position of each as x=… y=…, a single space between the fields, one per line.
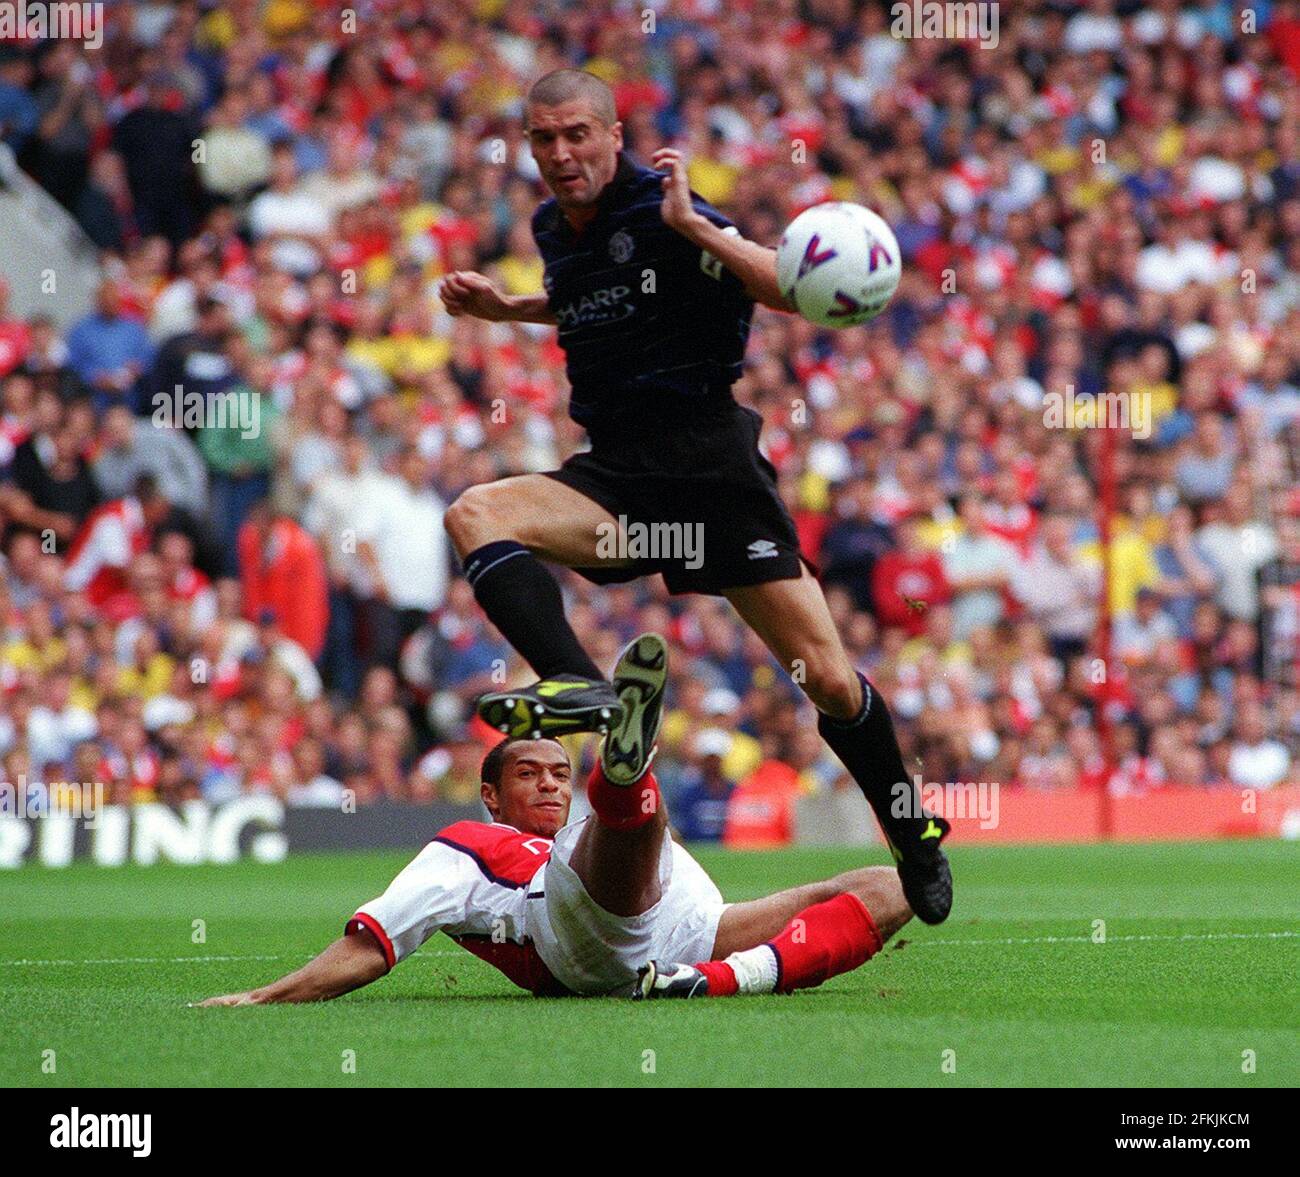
x=942 y=588
x=363 y=920
x=313 y=595
x=250 y=572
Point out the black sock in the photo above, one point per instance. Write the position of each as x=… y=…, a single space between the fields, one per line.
x=523 y=601
x=867 y=746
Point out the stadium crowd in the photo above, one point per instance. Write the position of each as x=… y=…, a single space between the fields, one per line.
x=1105 y=201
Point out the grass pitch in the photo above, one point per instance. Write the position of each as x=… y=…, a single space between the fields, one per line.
x=1199 y=965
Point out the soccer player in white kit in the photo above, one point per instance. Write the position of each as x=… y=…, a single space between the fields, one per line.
x=609 y=905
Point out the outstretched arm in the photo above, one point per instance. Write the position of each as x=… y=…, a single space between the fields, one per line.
x=753 y=264
x=466 y=292
x=350 y=962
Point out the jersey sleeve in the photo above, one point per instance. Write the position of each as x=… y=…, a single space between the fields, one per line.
x=709 y=265
x=433 y=891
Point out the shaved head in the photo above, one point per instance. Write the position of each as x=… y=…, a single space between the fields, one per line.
x=567 y=85
x=575 y=137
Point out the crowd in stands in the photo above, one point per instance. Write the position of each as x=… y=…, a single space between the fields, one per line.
x=1106 y=202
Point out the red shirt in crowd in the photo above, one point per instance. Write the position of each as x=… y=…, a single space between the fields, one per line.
x=287 y=576
x=904 y=586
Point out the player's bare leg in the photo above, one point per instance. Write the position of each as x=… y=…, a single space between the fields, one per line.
x=747 y=925
x=795 y=939
x=553 y=521
x=502 y=531
x=792 y=618
x=620 y=868
x=618 y=852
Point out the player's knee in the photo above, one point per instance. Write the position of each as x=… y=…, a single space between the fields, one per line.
x=881 y=893
x=474 y=519
x=834 y=688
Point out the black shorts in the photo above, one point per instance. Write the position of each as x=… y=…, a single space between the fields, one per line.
x=698 y=504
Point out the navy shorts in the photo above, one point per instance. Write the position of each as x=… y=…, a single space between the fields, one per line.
x=699 y=504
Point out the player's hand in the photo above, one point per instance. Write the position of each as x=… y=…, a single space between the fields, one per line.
x=676 y=210
x=228 y=999
x=464 y=292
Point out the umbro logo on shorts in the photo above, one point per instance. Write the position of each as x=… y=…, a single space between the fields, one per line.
x=761 y=548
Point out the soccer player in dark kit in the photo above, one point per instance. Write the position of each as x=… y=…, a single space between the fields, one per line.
x=652 y=291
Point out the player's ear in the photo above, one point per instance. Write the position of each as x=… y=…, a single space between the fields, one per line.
x=489 y=794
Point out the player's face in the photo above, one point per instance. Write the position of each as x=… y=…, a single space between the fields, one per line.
x=536 y=788
x=575 y=152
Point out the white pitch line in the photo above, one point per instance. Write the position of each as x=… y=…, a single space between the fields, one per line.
x=192 y=959
x=138 y=960
x=462 y=954
x=1110 y=939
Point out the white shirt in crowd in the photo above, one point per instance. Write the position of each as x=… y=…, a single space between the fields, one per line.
x=331 y=514
x=1259 y=766
x=1166 y=270
x=1238 y=553
x=404 y=527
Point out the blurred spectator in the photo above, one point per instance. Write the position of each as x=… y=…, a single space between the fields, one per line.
x=1256 y=761
x=1137 y=634
x=109 y=351
x=132 y=446
x=156 y=142
x=111 y=538
x=281 y=572
x=701 y=802
x=760 y=812
x=70 y=115
x=15 y=335
x=18 y=110
x=1238 y=546
x=978 y=566
x=105 y=209
x=403 y=555
x=907 y=580
x=1059 y=590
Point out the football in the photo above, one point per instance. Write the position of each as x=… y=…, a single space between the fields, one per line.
x=838 y=264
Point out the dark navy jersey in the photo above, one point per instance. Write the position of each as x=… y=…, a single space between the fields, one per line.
x=646 y=318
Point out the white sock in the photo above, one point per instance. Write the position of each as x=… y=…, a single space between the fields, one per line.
x=755 y=969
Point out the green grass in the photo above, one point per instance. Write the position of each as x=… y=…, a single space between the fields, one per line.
x=1193 y=973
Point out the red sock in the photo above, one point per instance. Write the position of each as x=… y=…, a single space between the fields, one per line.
x=823 y=941
x=722 y=977
x=623 y=807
